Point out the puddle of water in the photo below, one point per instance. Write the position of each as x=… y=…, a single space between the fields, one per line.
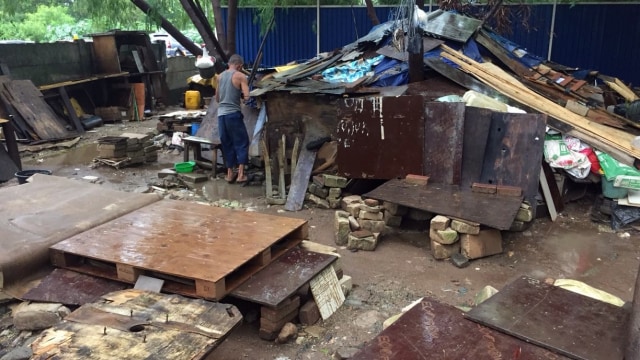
x=219 y=189
x=83 y=154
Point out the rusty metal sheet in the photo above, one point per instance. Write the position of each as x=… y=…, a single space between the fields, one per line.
x=443 y=139
x=71 y=288
x=283 y=277
x=565 y=322
x=380 y=137
x=433 y=330
x=513 y=155
x=450 y=200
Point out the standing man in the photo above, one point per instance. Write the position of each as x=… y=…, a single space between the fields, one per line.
x=232 y=87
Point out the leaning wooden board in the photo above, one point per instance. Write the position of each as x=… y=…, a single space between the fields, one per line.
x=198 y=250
x=134 y=324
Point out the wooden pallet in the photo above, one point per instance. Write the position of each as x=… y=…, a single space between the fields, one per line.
x=198 y=250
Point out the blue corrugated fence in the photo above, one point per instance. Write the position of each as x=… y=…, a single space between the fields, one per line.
x=604 y=37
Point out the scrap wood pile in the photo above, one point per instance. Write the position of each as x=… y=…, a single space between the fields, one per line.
x=593 y=118
x=31 y=116
x=126 y=150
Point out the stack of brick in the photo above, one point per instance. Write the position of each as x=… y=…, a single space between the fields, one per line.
x=360 y=223
x=326 y=191
x=112 y=147
x=141 y=148
x=455 y=236
x=301 y=305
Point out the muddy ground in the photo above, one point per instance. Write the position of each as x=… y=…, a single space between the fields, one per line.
x=398 y=272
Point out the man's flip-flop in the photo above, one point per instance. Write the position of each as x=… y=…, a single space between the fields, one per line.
x=232 y=180
x=242 y=181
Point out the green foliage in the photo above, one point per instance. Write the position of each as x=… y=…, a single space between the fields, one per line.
x=39 y=26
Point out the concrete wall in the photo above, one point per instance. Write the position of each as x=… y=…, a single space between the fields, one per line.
x=48 y=63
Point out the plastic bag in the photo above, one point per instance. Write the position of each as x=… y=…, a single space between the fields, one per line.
x=205 y=61
x=623 y=215
x=612 y=168
x=559 y=153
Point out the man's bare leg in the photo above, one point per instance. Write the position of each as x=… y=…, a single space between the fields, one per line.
x=241 y=176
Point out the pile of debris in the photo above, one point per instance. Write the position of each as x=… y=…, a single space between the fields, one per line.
x=326 y=190
x=128 y=149
x=180 y=121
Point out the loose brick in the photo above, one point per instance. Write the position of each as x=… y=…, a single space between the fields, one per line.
x=320 y=202
x=353 y=209
x=275 y=326
x=318 y=180
x=447 y=236
x=371 y=209
x=359 y=241
x=319 y=191
x=372 y=225
x=417 y=179
x=278 y=313
x=342 y=229
x=353 y=223
x=465 y=228
x=440 y=222
x=334 y=203
x=395 y=209
x=334 y=181
x=351 y=199
x=487 y=242
x=371 y=202
x=524 y=215
x=366 y=215
x=335 y=193
x=484 y=188
x=506 y=190
x=441 y=252
x=309 y=313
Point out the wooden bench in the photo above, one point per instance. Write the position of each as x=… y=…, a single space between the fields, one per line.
x=195 y=143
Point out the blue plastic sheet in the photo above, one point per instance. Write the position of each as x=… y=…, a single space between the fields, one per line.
x=530 y=60
x=350 y=71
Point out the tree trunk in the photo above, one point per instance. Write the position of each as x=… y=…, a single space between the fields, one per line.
x=231 y=27
x=371 y=12
x=172 y=30
x=199 y=20
x=218 y=20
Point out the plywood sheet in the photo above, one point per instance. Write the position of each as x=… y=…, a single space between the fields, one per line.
x=49 y=209
x=327 y=292
x=476 y=132
x=134 y=324
x=28 y=101
x=433 y=330
x=560 y=320
x=450 y=200
x=283 y=277
x=201 y=250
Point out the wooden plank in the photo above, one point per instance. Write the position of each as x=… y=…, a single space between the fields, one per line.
x=70 y=110
x=443 y=142
x=327 y=292
x=267 y=169
x=282 y=278
x=450 y=200
x=10 y=112
x=175 y=241
x=130 y=324
x=28 y=101
x=548 y=198
x=477 y=122
x=300 y=180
